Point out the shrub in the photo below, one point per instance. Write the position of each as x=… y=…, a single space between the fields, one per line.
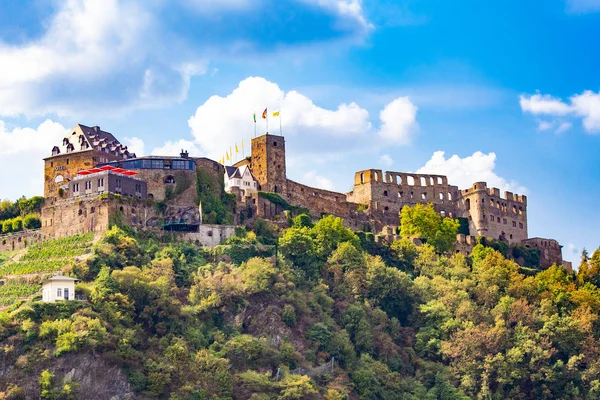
x=288 y=315
x=32 y=221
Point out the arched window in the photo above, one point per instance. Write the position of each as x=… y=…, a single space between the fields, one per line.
x=385 y=193
x=80 y=212
x=468 y=204
x=92 y=210
x=169 y=179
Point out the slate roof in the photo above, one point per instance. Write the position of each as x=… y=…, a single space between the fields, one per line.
x=61 y=278
x=86 y=138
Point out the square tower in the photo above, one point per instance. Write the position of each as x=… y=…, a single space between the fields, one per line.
x=268 y=163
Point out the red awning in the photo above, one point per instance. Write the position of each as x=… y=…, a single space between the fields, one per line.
x=86 y=172
x=118 y=170
x=107 y=168
x=95 y=170
x=129 y=173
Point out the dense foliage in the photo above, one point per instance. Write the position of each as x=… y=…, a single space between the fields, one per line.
x=399 y=321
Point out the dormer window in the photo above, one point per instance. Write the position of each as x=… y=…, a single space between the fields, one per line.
x=55 y=151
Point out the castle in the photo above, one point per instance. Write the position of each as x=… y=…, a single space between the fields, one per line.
x=91 y=179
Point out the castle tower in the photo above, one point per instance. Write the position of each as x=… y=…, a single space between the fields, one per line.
x=493 y=215
x=268 y=163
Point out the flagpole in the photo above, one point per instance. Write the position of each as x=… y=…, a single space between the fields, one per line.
x=267 y=121
x=280 y=133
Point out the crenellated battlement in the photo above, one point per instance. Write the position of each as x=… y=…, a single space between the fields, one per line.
x=399 y=178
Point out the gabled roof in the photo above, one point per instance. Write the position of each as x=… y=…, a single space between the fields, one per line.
x=232 y=172
x=84 y=138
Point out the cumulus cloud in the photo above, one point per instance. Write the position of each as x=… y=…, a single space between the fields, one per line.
x=463 y=172
x=173 y=148
x=585 y=105
x=223 y=121
x=311 y=178
x=21 y=154
x=398 y=121
x=135 y=145
x=386 y=161
x=113 y=56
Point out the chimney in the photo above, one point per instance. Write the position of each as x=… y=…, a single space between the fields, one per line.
x=184 y=153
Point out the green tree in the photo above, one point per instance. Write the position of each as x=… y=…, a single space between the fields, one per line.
x=424 y=222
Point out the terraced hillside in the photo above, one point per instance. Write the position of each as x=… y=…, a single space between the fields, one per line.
x=21 y=272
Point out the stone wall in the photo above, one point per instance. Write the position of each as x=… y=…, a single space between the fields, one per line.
x=465 y=244
x=318 y=200
x=550 y=251
x=20 y=240
x=208 y=235
x=492 y=215
x=268 y=163
x=59 y=169
x=171 y=186
x=390 y=191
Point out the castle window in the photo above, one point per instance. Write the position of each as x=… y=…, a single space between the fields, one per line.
x=80 y=212
x=399 y=195
x=442 y=196
x=491 y=203
x=423 y=196
x=468 y=204
x=121 y=208
x=412 y=194
x=504 y=221
x=51 y=164
x=133 y=210
x=491 y=217
x=274 y=144
x=514 y=208
x=209 y=233
x=386 y=208
x=92 y=210
x=423 y=181
x=514 y=224
x=362 y=177
x=385 y=193
x=498 y=204
x=520 y=225
x=440 y=181
x=511 y=235
x=67 y=161
x=410 y=180
x=520 y=210
x=449 y=196
x=170 y=179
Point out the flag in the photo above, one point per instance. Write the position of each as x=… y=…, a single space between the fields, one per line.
x=276 y=114
x=254 y=116
x=264 y=116
x=227 y=154
x=242 y=144
x=236 y=148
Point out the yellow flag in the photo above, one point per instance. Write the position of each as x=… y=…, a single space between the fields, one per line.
x=276 y=114
x=236 y=148
x=227 y=154
x=242 y=144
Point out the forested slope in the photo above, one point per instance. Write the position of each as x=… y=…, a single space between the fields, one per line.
x=264 y=316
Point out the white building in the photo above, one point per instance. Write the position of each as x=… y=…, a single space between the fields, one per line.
x=58 y=288
x=240 y=178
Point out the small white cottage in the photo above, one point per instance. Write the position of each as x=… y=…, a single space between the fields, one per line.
x=241 y=178
x=58 y=288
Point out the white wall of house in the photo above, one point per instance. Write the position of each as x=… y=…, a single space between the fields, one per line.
x=247 y=183
x=55 y=290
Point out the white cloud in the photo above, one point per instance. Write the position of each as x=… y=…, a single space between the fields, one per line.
x=583 y=6
x=170 y=148
x=585 y=105
x=543 y=104
x=463 y=172
x=545 y=125
x=572 y=252
x=224 y=121
x=113 y=56
x=21 y=154
x=312 y=179
x=386 y=161
x=90 y=49
x=134 y=145
x=563 y=127
x=398 y=121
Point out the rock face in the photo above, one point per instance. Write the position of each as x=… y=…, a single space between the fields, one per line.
x=97 y=379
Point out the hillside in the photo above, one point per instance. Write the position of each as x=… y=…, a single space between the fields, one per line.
x=307 y=312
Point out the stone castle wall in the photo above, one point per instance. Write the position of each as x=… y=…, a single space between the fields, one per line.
x=268 y=163
x=550 y=251
x=492 y=215
x=20 y=240
x=180 y=184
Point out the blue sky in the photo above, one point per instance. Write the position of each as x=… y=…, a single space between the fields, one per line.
x=508 y=91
